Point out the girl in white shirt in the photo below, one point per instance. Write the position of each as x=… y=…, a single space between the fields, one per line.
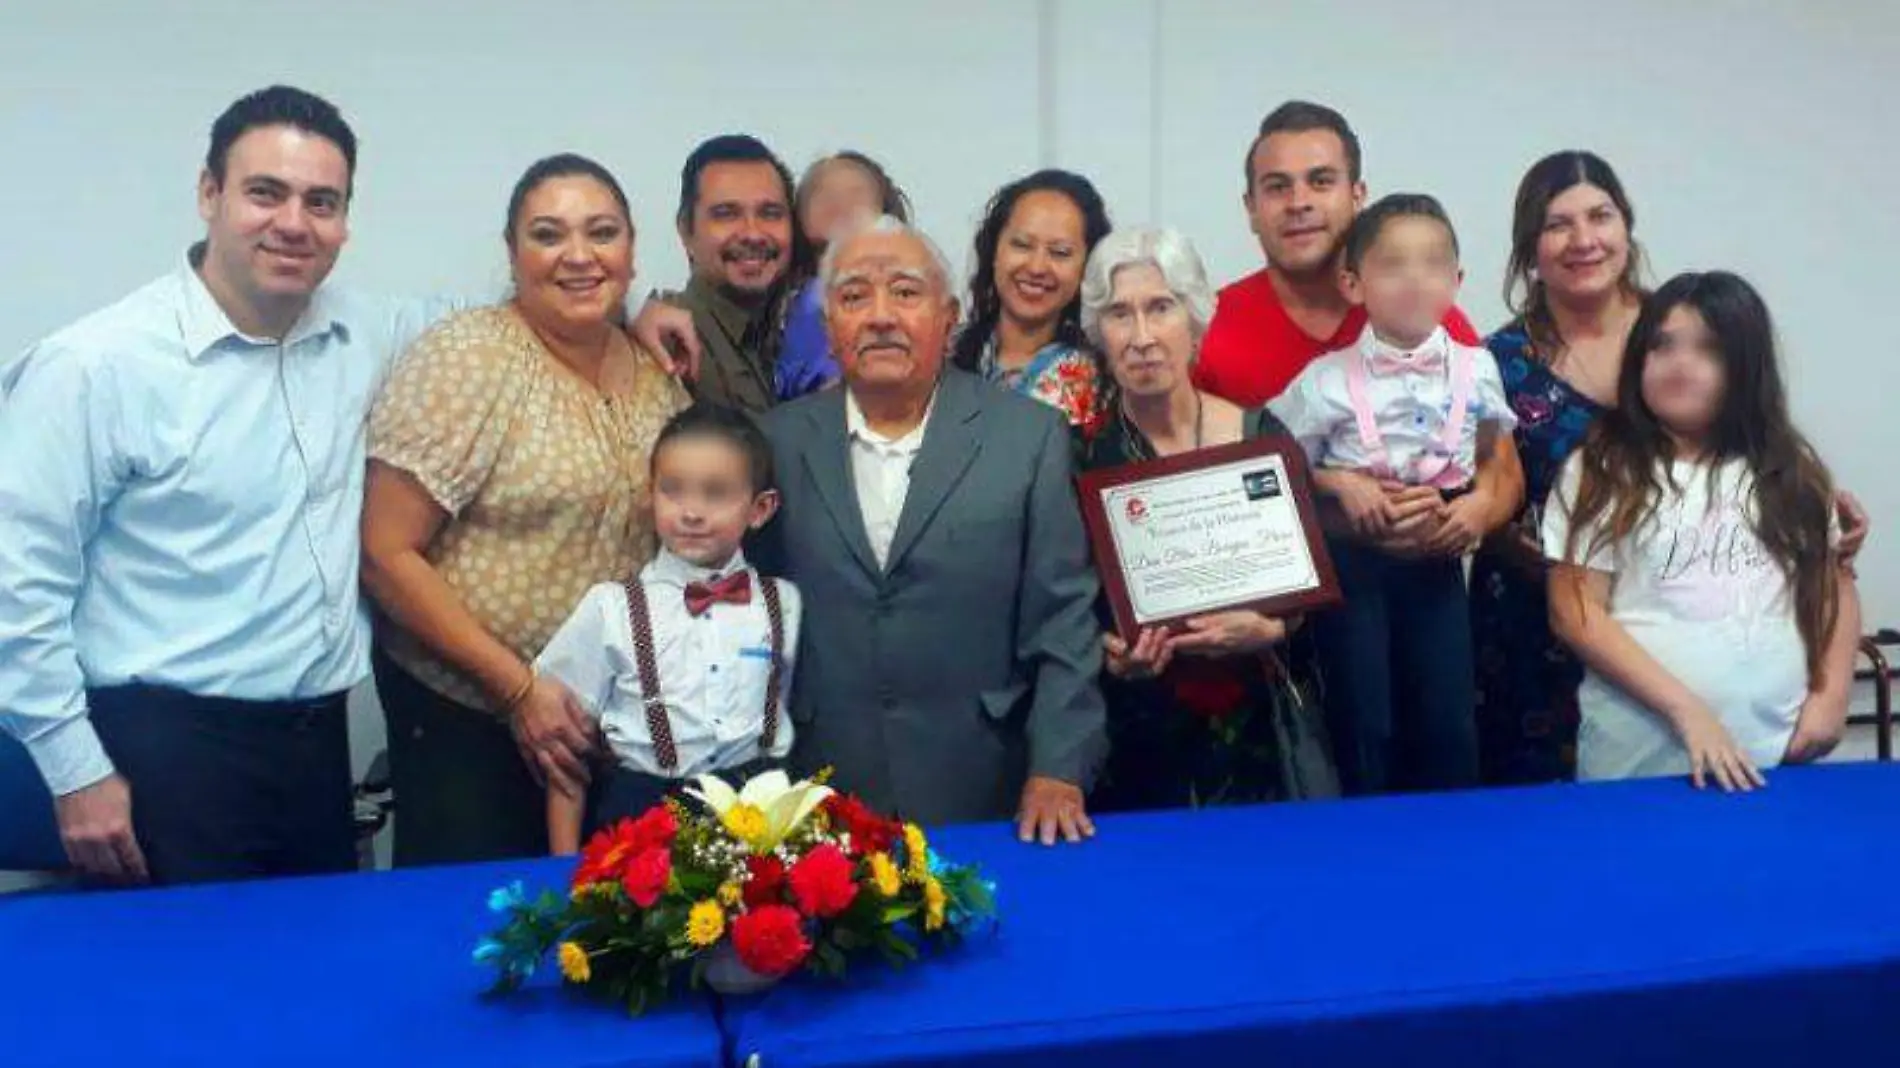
x=1696 y=570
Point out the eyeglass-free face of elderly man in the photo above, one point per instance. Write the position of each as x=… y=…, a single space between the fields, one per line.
x=930 y=523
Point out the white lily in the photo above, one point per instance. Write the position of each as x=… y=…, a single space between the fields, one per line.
x=764 y=811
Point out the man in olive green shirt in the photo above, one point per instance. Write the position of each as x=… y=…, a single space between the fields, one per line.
x=735 y=219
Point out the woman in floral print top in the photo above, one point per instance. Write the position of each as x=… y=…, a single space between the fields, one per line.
x=1066 y=377
x=1024 y=332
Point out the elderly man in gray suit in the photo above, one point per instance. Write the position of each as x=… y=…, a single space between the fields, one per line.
x=949 y=669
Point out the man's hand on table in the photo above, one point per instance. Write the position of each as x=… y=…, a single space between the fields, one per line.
x=1052 y=807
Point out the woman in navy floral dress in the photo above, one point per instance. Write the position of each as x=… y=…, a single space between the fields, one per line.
x=1574 y=282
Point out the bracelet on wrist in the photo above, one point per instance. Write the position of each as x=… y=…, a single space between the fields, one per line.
x=521 y=693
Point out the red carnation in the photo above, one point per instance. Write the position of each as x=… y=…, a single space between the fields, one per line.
x=767 y=882
x=822 y=883
x=646 y=875
x=655 y=827
x=870 y=832
x=770 y=940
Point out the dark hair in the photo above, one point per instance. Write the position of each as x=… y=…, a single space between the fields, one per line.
x=279 y=105
x=1300 y=116
x=564 y=165
x=727 y=148
x=986 y=304
x=1371 y=222
x=720 y=423
x=1548 y=179
x=1627 y=451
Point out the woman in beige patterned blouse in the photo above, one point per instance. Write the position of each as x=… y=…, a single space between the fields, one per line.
x=508 y=456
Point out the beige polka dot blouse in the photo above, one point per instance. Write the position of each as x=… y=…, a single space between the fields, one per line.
x=542 y=474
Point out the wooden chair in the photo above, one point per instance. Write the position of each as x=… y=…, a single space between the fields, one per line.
x=1882 y=675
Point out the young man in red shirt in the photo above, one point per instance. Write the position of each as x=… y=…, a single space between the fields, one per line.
x=1303 y=190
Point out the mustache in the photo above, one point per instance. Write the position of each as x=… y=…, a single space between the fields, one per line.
x=752 y=248
x=882 y=339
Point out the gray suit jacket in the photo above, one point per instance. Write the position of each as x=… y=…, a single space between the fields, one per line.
x=935 y=685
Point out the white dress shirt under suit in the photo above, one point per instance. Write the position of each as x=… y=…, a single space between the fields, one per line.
x=180 y=507
x=880 y=468
x=713 y=669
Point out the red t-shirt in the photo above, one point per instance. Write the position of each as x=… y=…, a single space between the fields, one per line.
x=1253 y=350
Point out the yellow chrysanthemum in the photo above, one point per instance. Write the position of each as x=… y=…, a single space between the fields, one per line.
x=884 y=875
x=574 y=965
x=747 y=823
x=916 y=853
x=934 y=903
x=730 y=894
x=705 y=923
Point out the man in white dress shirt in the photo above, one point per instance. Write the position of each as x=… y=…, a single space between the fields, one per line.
x=180 y=621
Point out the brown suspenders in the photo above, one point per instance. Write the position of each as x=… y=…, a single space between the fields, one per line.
x=659 y=727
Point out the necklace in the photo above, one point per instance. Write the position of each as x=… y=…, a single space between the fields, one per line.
x=1144 y=446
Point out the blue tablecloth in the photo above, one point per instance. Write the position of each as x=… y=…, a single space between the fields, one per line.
x=1600 y=926
x=358 y=971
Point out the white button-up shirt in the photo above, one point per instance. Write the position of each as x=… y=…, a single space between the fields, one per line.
x=880 y=467
x=179 y=506
x=1410 y=407
x=713 y=668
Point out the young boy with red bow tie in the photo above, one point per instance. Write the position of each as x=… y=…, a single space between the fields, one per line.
x=1406 y=406
x=688 y=667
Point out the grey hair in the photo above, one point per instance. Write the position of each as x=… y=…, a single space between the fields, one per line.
x=883 y=224
x=1165 y=249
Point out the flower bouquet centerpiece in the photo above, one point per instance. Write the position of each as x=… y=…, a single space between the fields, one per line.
x=737 y=889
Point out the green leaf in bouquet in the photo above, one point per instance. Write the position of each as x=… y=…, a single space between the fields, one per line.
x=828 y=960
x=665 y=919
x=550 y=905
x=895 y=947
x=967 y=888
x=897 y=912
x=696 y=884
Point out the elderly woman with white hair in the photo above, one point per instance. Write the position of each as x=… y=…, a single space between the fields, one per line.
x=1220 y=712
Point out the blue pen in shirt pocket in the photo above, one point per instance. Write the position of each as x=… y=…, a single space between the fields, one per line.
x=756 y=652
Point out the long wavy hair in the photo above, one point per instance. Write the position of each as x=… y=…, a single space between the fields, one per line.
x=1625 y=459
x=986 y=303
x=1548 y=179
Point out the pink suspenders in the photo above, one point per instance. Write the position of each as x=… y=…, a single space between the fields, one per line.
x=1440 y=468
x=659 y=727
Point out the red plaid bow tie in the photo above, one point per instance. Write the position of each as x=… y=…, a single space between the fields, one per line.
x=735 y=588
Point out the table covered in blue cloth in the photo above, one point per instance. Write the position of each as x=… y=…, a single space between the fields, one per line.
x=1605 y=926
x=359 y=971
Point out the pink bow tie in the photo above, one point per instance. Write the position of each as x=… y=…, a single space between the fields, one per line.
x=1386 y=360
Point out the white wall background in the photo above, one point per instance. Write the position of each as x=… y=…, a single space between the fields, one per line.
x=1757 y=137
